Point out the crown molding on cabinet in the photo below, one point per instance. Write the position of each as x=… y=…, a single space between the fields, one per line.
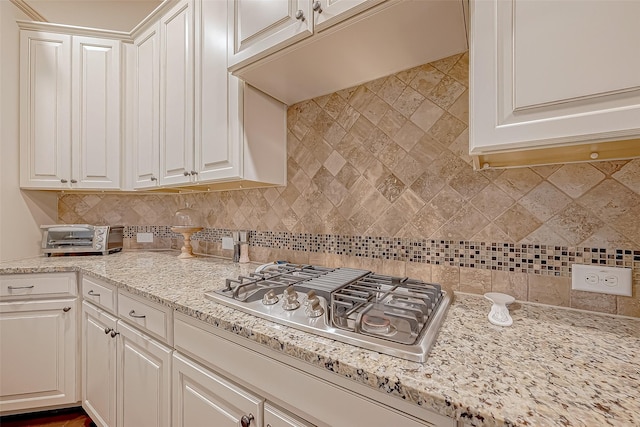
x=152 y=17
x=72 y=29
x=28 y=10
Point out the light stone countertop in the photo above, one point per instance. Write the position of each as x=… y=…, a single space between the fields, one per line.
x=552 y=367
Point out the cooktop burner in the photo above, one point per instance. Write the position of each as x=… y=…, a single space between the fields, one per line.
x=392 y=315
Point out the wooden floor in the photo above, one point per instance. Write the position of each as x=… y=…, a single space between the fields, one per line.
x=63 y=418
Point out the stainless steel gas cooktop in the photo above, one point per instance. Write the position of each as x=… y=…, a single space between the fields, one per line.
x=391 y=315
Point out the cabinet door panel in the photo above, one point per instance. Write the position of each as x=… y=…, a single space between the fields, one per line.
x=146 y=127
x=257 y=28
x=176 y=94
x=203 y=398
x=98 y=366
x=144 y=379
x=45 y=97
x=217 y=155
x=37 y=354
x=334 y=11
x=547 y=74
x=96 y=112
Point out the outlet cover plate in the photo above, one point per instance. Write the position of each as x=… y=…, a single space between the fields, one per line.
x=601 y=279
x=227 y=243
x=144 y=237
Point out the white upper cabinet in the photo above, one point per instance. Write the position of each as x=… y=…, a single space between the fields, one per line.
x=216 y=155
x=207 y=127
x=330 y=12
x=257 y=28
x=96 y=113
x=146 y=104
x=45 y=96
x=176 y=94
x=70 y=111
x=340 y=43
x=554 y=74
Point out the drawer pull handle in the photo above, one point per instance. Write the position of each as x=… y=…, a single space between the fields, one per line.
x=66 y=309
x=132 y=313
x=245 y=421
x=93 y=294
x=13 y=288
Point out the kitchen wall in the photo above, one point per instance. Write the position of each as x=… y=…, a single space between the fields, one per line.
x=21 y=213
x=379 y=177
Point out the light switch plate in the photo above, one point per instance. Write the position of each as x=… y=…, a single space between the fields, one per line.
x=605 y=280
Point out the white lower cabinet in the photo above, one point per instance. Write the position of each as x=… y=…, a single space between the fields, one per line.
x=126 y=372
x=143 y=380
x=201 y=397
x=309 y=395
x=38 y=342
x=276 y=417
x=98 y=365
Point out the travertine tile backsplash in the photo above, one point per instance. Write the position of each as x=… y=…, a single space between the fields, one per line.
x=379 y=176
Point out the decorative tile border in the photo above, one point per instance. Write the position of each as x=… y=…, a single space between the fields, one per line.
x=511 y=257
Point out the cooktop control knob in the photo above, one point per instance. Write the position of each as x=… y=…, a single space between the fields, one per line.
x=270 y=297
x=310 y=296
x=290 y=297
x=314 y=309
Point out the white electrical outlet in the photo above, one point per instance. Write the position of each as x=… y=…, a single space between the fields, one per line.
x=605 y=280
x=144 y=237
x=227 y=243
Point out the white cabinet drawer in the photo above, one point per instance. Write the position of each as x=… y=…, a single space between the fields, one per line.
x=36 y=285
x=100 y=293
x=149 y=317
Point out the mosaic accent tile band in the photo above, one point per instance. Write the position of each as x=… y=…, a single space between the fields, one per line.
x=511 y=257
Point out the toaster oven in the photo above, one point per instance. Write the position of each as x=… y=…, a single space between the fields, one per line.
x=81 y=239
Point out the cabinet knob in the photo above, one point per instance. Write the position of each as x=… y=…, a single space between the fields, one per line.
x=317 y=6
x=64 y=181
x=74 y=181
x=186 y=173
x=194 y=173
x=245 y=421
x=66 y=309
x=114 y=333
x=153 y=178
x=300 y=15
x=107 y=330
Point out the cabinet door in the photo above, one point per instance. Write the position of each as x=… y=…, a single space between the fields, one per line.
x=96 y=113
x=143 y=380
x=201 y=398
x=176 y=94
x=38 y=353
x=545 y=74
x=45 y=110
x=217 y=155
x=98 y=365
x=258 y=28
x=330 y=12
x=276 y=417
x=146 y=125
